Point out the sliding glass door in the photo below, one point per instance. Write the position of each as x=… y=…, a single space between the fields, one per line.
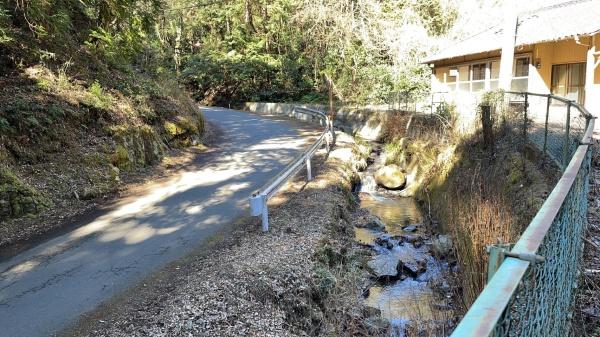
x=568 y=80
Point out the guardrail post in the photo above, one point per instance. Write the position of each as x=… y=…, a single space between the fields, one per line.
x=265 y=215
x=546 y=123
x=258 y=206
x=308 y=169
x=567 y=131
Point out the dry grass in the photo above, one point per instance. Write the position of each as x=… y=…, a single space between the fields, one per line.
x=418 y=126
x=484 y=199
x=478 y=221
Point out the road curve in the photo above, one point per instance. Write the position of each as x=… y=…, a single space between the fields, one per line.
x=47 y=287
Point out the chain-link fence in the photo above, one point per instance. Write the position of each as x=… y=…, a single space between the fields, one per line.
x=532 y=290
x=554 y=124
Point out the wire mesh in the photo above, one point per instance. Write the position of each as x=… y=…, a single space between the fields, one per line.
x=543 y=301
x=554 y=125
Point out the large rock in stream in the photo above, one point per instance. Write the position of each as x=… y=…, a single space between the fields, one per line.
x=390 y=177
x=402 y=258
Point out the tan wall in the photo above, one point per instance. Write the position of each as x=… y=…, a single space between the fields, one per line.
x=551 y=53
x=597 y=72
x=539 y=79
x=592 y=95
x=438 y=79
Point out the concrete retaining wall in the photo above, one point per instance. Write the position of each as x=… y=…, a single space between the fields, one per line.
x=367 y=122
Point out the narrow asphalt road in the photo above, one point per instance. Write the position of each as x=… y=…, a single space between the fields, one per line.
x=44 y=289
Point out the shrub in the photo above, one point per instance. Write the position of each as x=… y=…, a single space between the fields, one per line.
x=121 y=158
x=5 y=126
x=446 y=111
x=98 y=98
x=4 y=22
x=325 y=281
x=56 y=112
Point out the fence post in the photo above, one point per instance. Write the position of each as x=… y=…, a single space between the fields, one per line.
x=308 y=169
x=432 y=102
x=496 y=257
x=546 y=123
x=525 y=119
x=567 y=130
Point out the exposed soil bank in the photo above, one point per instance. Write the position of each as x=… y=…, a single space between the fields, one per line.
x=480 y=195
x=482 y=198
x=67 y=145
x=65 y=213
x=303 y=277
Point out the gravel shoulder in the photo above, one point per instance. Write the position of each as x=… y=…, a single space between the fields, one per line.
x=303 y=277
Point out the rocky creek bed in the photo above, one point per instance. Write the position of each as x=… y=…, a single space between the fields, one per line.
x=411 y=263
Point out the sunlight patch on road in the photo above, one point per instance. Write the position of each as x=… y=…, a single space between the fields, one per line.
x=185 y=182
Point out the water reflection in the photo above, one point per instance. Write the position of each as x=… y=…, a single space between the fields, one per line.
x=365 y=236
x=396 y=213
x=408 y=299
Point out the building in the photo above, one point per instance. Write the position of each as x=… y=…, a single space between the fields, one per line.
x=554 y=49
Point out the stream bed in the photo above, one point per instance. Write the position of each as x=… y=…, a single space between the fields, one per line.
x=410 y=260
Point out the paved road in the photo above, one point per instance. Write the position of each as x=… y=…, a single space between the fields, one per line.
x=47 y=287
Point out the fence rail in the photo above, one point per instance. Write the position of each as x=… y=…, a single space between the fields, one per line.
x=531 y=287
x=260 y=198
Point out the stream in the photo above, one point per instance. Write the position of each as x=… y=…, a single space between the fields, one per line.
x=410 y=259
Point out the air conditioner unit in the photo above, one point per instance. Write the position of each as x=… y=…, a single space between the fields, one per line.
x=453 y=72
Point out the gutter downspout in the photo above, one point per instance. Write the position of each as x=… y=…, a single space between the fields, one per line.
x=508 y=45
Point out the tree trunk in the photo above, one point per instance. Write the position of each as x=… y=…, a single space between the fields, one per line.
x=248 y=17
x=177 y=53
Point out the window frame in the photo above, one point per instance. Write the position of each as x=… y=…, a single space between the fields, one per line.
x=516 y=67
x=490 y=83
x=472 y=67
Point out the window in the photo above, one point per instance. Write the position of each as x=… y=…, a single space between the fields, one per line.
x=522 y=67
x=478 y=72
x=495 y=70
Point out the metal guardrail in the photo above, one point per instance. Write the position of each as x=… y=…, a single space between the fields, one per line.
x=260 y=198
x=531 y=287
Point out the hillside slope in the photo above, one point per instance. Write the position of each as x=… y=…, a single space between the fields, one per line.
x=75 y=124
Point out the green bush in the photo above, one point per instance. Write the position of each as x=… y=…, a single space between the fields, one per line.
x=98 y=97
x=121 y=158
x=237 y=77
x=325 y=281
x=4 y=26
x=55 y=112
x=446 y=111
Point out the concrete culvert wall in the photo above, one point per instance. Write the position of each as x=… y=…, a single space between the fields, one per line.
x=367 y=122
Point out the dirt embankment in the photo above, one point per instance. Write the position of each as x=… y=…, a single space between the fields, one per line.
x=480 y=195
x=303 y=277
x=483 y=198
x=70 y=137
